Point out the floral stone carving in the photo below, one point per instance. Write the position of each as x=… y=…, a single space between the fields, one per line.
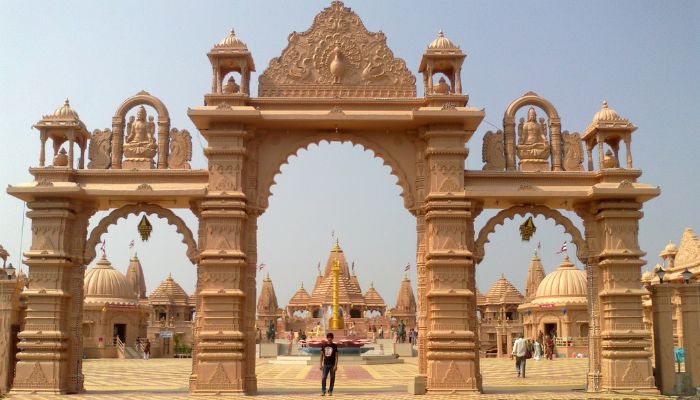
x=493 y=154
x=100 y=150
x=180 y=149
x=337 y=56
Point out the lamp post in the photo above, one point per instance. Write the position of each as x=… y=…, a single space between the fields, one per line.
x=10 y=271
x=660 y=272
x=687 y=275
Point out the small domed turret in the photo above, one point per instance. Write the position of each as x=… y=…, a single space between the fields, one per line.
x=65 y=111
x=232 y=41
x=442 y=43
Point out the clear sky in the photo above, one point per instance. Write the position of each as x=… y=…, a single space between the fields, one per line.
x=643 y=57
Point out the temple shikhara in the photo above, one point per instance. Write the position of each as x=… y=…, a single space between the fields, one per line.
x=339 y=81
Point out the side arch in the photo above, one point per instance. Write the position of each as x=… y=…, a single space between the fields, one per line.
x=548 y=213
x=530 y=98
x=125 y=211
x=267 y=175
x=142 y=97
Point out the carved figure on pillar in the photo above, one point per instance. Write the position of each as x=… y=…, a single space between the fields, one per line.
x=140 y=147
x=532 y=148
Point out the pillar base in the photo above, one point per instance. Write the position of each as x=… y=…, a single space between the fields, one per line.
x=418 y=385
x=137 y=163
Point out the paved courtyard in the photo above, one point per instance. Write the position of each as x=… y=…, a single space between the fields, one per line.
x=168 y=379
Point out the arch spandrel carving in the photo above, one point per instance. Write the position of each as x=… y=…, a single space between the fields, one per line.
x=337 y=57
x=123 y=212
x=509 y=213
x=275 y=152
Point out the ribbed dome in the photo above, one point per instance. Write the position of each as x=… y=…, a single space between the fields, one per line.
x=232 y=41
x=104 y=284
x=669 y=250
x=442 y=43
x=565 y=285
x=169 y=292
x=647 y=277
x=65 y=111
x=607 y=115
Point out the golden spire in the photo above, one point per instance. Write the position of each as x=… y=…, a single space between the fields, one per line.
x=336 y=248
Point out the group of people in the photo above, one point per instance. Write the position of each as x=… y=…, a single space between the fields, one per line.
x=524 y=349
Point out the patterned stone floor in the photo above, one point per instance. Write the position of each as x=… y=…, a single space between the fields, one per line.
x=168 y=379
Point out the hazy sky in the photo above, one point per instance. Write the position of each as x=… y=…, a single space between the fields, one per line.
x=641 y=56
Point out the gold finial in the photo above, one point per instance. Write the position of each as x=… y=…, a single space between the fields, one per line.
x=267 y=276
x=503 y=276
x=371 y=284
x=441 y=33
x=302 y=284
x=336 y=248
x=605 y=104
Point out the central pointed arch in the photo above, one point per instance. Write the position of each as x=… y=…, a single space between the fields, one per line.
x=276 y=151
x=522 y=210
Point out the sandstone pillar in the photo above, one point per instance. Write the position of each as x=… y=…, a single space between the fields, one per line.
x=690 y=306
x=452 y=356
x=661 y=307
x=422 y=283
x=223 y=280
x=50 y=351
x=625 y=361
x=9 y=310
x=499 y=342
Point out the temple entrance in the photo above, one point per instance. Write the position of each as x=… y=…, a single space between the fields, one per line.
x=119 y=332
x=336 y=81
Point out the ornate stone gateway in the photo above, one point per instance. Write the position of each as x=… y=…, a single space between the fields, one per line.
x=335 y=82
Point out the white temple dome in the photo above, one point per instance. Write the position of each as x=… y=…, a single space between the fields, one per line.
x=442 y=43
x=104 y=284
x=65 y=111
x=567 y=284
x=232 y=41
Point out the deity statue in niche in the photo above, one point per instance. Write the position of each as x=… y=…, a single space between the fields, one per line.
x=532 y=148
x=140 y=146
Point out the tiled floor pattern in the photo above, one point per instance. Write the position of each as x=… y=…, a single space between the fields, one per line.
x=168 y=379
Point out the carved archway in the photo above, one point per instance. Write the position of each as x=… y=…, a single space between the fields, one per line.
x=548 y=213
x=267 y=178
x=125 y=211
x=142 y=97
x=530 y=98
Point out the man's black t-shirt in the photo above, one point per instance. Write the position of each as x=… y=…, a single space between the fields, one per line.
x=330 y=352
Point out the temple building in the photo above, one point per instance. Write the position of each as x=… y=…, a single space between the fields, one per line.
x=500 y=323
x=559 y=307
x=675 y=261
x=406 y=308
x=305 y=310
x=112 y=314
x=118 y=316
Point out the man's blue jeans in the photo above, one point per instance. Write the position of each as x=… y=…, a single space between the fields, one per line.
x=327 y=369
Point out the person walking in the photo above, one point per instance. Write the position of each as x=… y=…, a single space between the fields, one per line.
x=548 y=347
x=538 y=350
x=147 y=350
x=329 y=363
x=519 y=350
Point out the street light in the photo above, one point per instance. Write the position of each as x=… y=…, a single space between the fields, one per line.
x=10 y=270
x=687 y=275
x=661 y=273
